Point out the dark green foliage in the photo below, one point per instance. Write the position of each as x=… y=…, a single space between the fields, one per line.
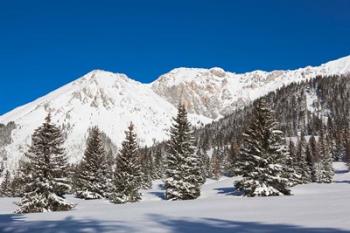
x=216 y=163
x=262 y=160
x=93 y=174
x=290 y=109
x=183 y=171
x=128 y=174
x=45 y=173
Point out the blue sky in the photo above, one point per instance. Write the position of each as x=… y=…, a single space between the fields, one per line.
x=45 y=44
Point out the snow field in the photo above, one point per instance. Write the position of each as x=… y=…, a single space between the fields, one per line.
x=312 y=208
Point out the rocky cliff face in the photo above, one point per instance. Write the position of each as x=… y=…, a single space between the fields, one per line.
x=214 y=92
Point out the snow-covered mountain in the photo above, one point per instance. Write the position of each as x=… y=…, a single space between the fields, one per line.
x=101 y=98
x=111 y=101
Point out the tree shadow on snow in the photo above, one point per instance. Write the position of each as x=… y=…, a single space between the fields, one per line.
x=342 y=171
x=16 y=224
x=225 y=226
x=342 y=181
x=228 y=191
x=161 y=195
x=12 y=223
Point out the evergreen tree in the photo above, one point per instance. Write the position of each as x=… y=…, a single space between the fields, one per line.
x=301 y=166
x=183 y=175
x=262 y=156
x=216 y=164
x=92 y=174
x=128 y=175
x=311 y=163
x=147 y=167
x=204 y=165
x=230 y=160
x=5 y=187
x=295 y=176
x=47 y=163
x=20 y=179
x=338 y=147
x=326 y=170
x=314 y=159
x=158 y=171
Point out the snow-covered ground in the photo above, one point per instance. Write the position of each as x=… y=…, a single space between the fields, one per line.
x=313 y=208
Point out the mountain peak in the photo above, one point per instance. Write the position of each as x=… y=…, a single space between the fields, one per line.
x=102 y=76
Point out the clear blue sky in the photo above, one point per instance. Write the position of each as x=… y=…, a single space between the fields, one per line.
x=45 y=44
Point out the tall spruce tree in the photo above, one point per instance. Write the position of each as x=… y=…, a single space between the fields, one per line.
x=147 y=168
x=293 y=165
x=46 y=183
x=313 y=158
x=204 y=165
x=93 y=172
x=230 y=159
x=183 y=175
x=301 y=165
x=262 y=156
x=326 y=170
x=128 y=174
x=158 y=165
x=216 y=164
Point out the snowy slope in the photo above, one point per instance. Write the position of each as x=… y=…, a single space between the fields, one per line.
x=111 y=101
x=313 y=208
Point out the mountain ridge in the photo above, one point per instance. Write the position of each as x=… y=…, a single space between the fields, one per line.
x=112 y=100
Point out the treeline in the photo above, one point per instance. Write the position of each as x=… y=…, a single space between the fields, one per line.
x=309 y=109
x=303 y=108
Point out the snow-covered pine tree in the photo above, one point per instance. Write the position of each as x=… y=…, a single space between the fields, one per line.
x=216 y=164
x=230 y=159
x=147 y=167
x=292 y=165
x=183 y=171
x=262 y=156
x=326 y=172
x=198 y=162
x=127 y=177
x=301 y=166
x=204 y=165
x=313 y=158
x=47 y=163
x=311 y=164
x=158 y=170
x=5 y=187
x=338 y=147
x=92 y=174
